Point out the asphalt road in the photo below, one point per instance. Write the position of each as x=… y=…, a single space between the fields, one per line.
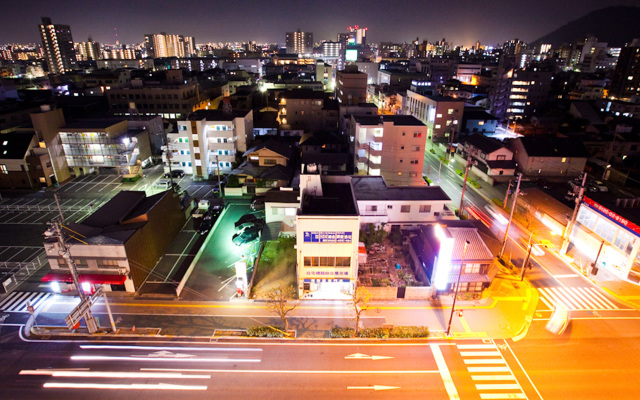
x=261 y=369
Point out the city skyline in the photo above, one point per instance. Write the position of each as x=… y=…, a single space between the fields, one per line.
x=461 y=23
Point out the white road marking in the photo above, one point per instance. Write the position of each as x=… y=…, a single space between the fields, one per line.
x=449 y=386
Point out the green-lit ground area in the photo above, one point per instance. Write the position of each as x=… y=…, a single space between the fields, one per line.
x=214 y=277
x=277 y=265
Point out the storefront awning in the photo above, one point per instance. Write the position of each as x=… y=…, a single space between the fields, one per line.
x=89 y=278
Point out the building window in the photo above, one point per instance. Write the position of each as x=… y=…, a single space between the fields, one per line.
x=415 y=162
x=405 y=208
x=564 y=159
x=425 y=208
x=372 y=208
x=269 y=161
x=3 y=169
x=417 y=134
x=472 y=268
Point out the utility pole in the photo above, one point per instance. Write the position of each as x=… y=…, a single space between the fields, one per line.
x=513 y=207
x=89 y=319
x=506 y=196
x=464 y=185
x=169 y=157
x=567 y=231
x=55 y=196
x=455 y=296
x=219 y=187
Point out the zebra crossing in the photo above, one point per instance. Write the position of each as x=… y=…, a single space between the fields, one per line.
x=490 y=372
x=576 y=298
x=18 y=301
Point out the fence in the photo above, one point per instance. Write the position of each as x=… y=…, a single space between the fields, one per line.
x=17 y=272
x=46 y=208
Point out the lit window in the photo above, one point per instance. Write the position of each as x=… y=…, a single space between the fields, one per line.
x=3 y=169
x=564 y=159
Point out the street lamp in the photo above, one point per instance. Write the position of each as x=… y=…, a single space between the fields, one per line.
x=455 y=296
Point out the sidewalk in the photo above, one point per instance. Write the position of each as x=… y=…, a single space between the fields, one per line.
x=505 y=311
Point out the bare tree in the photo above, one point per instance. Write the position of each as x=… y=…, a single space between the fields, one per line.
x=359 y=302
x=278 y=302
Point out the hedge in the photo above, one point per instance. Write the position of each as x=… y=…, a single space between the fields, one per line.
x=383 y=333
x=265 y=331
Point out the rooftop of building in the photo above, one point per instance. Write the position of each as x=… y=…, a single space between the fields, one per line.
x=375 y=188
x=398 y=120
x=217 y=115
x=337 y=199
x=551 y=146
x=283 y=195
x=302 y=94
x=93 y=124
x=486 y=144
x=472 y=113
x=14 y=145
x=117 y=220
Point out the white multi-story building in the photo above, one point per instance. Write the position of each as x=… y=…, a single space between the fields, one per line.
x=391 y=146
x=405 y=207
x=327 y=230
x=209 y=140
x=441 y=115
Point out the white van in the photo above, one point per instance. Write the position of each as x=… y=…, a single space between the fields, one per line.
x=162 y=184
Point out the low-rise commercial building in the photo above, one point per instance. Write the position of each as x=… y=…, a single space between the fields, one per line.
x=119 y=244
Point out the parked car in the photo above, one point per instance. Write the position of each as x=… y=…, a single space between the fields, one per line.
x=247 y=235
x=176 y=173
x=162 y=184
x=206 y=224
x=599 y=185
x=249 y=220
x=257 y=203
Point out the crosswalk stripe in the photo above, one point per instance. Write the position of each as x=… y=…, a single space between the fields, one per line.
x=493 y=377
x=584 y=296
x=17 y=301
x=601 y=297
x=500 y=396
x=13 y=299
x=566 y=299
x=475 y=370
x=576 y=298
x=22 y=306
x=497 y=386
x=475 y=346
x=480 y=353
x=485 y=361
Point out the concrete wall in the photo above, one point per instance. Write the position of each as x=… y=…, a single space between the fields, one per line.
x=418 y=293
x=383 y=293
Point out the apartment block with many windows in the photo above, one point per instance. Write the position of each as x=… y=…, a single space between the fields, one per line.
x=391 y=146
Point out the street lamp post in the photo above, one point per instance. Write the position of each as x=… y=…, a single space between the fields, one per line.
x=528 y=256
x=455 y=296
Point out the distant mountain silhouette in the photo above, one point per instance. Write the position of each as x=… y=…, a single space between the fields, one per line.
x=614 y=25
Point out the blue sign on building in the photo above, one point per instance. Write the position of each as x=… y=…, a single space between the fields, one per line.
x=327 y=237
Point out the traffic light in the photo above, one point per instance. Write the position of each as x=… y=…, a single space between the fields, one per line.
x=460 y=313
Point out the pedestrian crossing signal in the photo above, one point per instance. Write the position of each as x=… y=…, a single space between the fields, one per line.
x=459 y=313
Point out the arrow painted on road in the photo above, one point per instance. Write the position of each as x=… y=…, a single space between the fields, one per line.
x=165 y=353
x=374 y=387
x=360 y=356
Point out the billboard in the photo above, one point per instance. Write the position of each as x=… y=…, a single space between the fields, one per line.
x=351 y=55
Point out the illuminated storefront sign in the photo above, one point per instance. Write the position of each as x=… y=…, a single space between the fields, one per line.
x=443 y=261
x=611 y=215
x=327 y=237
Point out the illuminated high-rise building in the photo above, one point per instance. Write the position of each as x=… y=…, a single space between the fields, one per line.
x=88 y=50
x=163 y=45
x=58 y=46
x=299 y=42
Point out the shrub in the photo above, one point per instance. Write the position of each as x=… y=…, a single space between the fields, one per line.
x=265 y=331
x=409 y=332
x=337 y=332
x=432 y=151
x=378 y=333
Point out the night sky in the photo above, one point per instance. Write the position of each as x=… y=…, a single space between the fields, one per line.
x=460 y=21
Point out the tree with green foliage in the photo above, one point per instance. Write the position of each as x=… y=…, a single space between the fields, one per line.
x=372 y=234
x=359 y=303
x=278 y=302
x=233 y=181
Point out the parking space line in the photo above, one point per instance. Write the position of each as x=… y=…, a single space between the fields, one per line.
x=17 y=215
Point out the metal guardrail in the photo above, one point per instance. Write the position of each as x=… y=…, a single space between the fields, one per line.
x=39 y=208
x=18 y=272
